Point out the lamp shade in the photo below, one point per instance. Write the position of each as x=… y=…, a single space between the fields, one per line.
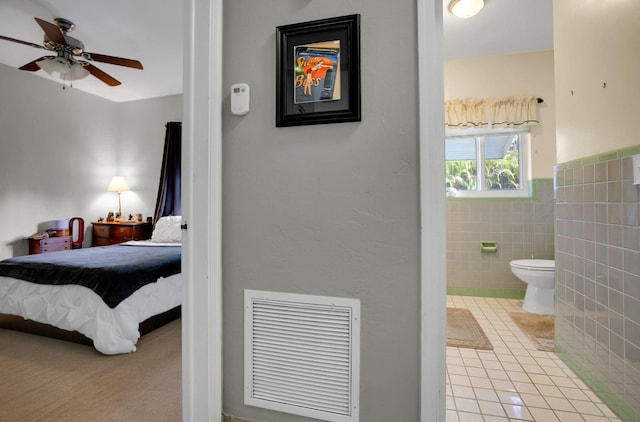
x=118 y=184
x=68 y=69
x=465 y=8
x=77 y=72
x=54 y=64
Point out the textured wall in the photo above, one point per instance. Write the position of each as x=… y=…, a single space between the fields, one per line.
x=523 y=229
x=59 y=151
x=329 y=209
x=598 y=276
x=596 y=76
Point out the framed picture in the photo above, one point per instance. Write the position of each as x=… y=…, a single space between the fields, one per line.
x=318 y=72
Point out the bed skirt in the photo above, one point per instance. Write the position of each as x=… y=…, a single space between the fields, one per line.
x=16 y=323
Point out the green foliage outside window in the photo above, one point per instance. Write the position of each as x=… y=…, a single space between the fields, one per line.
x=499 y=173
x=462 y=174
x=503 y=173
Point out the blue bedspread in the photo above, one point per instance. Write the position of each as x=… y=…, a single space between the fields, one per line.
x=113 y=272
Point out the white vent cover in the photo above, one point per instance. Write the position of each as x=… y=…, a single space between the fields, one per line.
x=302 y=354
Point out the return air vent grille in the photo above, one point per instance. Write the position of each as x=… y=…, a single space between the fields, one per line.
x=302 y=354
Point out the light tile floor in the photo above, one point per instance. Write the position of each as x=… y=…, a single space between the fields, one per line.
x=514 y=381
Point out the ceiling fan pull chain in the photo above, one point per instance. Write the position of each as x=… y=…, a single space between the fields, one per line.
x=64 y=82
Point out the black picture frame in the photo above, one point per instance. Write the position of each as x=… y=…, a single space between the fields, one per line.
x=318 y=72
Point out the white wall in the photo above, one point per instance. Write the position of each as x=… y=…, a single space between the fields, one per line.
x=596 y=43
x=59 y=149
x=529 y=74
x=140 y=144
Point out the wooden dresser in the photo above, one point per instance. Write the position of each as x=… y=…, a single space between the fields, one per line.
x=49 y=244
x=113 y=233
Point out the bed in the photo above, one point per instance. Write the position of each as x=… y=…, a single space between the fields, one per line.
x=104 y=293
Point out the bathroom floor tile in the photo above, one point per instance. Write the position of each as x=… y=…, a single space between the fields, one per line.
x=503 y=385
x=520 y=413
x=467 y=405
x=526 y=387
x=557 y=403
x=499 y=374
x=486 y=394
x=510 y=397
x=514 y=381
x=477 y=372
x=459 y=379
x=464 y=392
x=541 y=379
x=519 y=376
x=569 y=416
x=489 y=418
x=550 y=391
x=586 y=407
x=539 y=414
x=575 y=394
x=478 y=382
x=469 y=417
x=534 y=369
x=491 y=408
x=457 y=369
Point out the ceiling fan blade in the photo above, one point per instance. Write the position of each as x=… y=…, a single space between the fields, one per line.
x=21 y=42
x=52 y=31
x=107 y=79
x=33 y=66
x=113 y=60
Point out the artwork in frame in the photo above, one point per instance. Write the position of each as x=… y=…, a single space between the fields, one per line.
x=318 y=72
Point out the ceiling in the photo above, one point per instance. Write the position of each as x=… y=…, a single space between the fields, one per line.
x=141 y=30
x=501 y=27
x=133 y=29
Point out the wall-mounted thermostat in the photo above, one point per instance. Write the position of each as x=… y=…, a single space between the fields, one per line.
x=239 y=99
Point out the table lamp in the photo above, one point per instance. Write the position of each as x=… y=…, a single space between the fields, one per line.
x=119 y=185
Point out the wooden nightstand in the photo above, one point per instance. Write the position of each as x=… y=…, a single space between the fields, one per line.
x=49 y=244
x=113 y=233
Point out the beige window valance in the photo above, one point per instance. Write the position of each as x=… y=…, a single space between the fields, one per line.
x=491 y=112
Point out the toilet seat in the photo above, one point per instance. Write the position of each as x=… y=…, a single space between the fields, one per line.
x=535 y=264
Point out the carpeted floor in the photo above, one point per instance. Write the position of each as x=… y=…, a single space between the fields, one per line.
x=463 y=330
x=539 y=328
x=44 y=379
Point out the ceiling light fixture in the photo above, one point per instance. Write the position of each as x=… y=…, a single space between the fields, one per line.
x=465 y=8
x=69 y=70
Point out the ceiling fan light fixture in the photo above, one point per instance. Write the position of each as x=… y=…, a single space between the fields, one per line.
x=68 y=70
x=77 y=72
x=56 y=39
x=465 y=8
x=54 y=65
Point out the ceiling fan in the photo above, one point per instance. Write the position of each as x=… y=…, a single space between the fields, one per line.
x=67 y=49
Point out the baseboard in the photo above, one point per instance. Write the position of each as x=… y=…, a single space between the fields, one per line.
x=230 y=418
x=600 y=389
x=485 y=292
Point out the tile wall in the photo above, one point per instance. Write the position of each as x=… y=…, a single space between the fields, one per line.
x=522 y=228
x=598 y=276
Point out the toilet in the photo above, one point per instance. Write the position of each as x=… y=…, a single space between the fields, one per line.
x=540 y=276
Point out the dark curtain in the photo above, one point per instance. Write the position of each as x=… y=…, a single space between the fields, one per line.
x=168 y=202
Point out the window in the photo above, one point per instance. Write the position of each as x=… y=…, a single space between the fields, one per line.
x=490 y=163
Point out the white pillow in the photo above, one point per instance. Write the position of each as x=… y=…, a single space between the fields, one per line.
x=167 y=230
